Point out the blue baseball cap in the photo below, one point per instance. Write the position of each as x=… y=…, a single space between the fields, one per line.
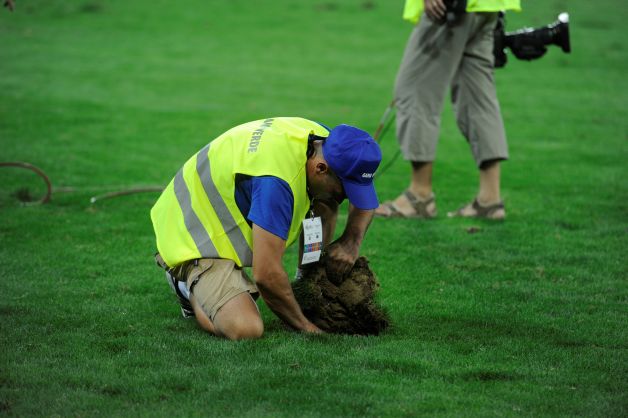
x=354 y=156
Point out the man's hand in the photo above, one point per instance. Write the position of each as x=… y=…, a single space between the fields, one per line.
x=313 y=329
x=342 y=253
x=435 y=9
x=340 y=257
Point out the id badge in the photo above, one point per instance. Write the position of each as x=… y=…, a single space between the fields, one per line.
x=312 y=240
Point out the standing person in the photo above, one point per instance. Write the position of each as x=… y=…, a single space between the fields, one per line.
x=448 y=50
x=242 y=199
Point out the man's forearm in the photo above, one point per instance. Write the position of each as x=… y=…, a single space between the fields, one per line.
x=277 y=293
x=272 y=280
x=358 y=222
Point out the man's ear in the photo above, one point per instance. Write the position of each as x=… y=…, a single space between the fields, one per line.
x=321 y=167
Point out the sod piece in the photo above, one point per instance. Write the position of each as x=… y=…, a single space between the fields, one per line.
x=343 y=305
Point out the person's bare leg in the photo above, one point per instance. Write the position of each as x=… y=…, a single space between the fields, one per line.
x=489 y=184
x=421 y=180
x=488 y=193
x=238 y=319
x=420 y=186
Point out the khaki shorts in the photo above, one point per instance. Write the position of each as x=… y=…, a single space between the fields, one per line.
x=460 y=58
x=213 y=282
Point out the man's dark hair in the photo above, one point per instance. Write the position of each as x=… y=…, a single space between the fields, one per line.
x=311 y=151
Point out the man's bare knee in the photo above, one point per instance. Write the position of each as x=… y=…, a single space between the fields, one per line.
x=239 y=319
x=243 y=329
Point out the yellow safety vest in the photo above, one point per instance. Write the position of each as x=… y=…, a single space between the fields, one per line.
x=414 y=8
x=197 y=217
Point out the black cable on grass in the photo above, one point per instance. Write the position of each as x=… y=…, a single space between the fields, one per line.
x=23 y=195
x=384 y=122
x=382 y=128
x=380 y=132
x=125 y=192
x=388 y=164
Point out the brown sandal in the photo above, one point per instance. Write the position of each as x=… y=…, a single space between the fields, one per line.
x=484 y=212
x=419 y=206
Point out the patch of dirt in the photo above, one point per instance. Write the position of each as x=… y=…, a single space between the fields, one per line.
x=341 y=305
x=23 y=194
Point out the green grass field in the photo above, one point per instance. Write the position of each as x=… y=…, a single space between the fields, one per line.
x=527 y=317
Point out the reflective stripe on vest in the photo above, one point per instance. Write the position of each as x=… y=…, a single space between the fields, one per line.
x=239 y=243
x=193 y=224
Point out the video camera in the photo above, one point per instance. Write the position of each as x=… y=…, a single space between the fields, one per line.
x=529 y=44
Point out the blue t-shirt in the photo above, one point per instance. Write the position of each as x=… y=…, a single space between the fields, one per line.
x=265 y=201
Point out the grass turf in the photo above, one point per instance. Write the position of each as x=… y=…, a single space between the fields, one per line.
x=526 y=317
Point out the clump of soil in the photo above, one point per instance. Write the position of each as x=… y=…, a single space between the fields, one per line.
x=341 y=305
x=23 y=195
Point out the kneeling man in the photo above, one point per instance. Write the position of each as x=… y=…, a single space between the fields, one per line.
x=242 y=199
